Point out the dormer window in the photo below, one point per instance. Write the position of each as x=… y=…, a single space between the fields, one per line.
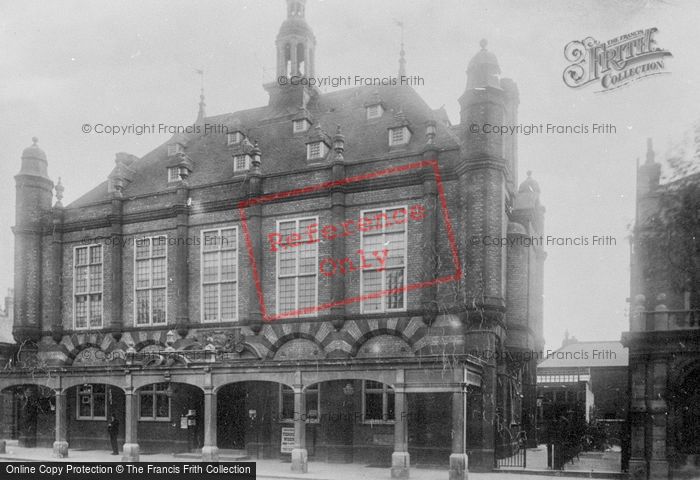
x=234 y=138
x=241 y=163
x=301 y=125
x=316 y=150
x=374 y=111
x=173 y=174
x=174 y=149
x=399 y=136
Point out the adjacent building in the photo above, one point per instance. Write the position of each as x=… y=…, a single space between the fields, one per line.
x=664 y=336
x=324 y=277
x=586 y=382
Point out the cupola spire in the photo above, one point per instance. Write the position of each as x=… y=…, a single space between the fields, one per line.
x=202 y=106
x=295 y=43
x=402 y=53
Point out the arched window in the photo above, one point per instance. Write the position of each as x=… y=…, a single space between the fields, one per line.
x=301 y=60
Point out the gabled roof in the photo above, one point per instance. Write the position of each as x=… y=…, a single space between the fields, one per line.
x=587 y=354
x=283 y=150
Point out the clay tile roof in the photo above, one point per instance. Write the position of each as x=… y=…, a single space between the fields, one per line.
x=282 y=150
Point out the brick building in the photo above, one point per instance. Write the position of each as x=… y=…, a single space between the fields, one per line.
x=197 y=280
x=664 y=336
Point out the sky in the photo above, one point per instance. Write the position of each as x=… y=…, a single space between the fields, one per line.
x=70 y=62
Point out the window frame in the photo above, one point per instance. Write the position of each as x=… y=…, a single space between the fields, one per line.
x=247 y=163
x=323 y=150
x=297 y=221
x=153 y=392
x=306 y=124
x=405 y=136
x=92 y=394
x=385 y=391
x=286 y=390
x=88 y=292
x=172 y=170
x=237 y=134
x=150 y=287
x=219 y=282
x=379 y=110
x=383 y=299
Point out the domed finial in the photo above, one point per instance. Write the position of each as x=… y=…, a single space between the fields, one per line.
x=35 y=140
x=483 y=69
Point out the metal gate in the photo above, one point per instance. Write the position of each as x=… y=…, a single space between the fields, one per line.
x=518 y=459
x=513 y=452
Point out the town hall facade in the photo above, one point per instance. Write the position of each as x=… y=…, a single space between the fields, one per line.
x=326 y=279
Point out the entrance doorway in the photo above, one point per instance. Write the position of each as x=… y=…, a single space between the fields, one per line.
x=231 y=416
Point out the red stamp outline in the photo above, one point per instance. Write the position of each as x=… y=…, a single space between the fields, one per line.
x=242 y=205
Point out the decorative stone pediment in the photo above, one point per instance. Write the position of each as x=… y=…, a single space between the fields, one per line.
x=226 y=341
x=385 y=346
x=299 y=349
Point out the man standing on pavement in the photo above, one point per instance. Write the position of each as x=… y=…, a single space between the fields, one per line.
x=113 y=430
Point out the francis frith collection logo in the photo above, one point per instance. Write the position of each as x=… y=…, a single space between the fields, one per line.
x=615 y=63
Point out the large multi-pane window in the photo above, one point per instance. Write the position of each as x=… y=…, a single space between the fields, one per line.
x=389 y=242
x=312 y=397
x=150 y=284
x=87 y=286
x=154 y=402
x=91 y=402
x=378 y=402
x=220 y=275
x=297 y=267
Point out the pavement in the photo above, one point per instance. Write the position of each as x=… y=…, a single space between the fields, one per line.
x=272 y=468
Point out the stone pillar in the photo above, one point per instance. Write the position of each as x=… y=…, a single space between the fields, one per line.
x=254 y=224
x=338 y=245
x=429 y=253
x=459 y=462
x=60 y=446
x=400 y=459
x=299 y=453
x=295 y=66
x=210 y=452
x=637 y=419
x=114 y=257
x=638 y=317
x=131 y=424
x=481 y=457
x=658 y=410
x=182 y=316
x=53 y=314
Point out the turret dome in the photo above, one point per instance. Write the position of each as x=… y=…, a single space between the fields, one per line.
x=483 y=69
